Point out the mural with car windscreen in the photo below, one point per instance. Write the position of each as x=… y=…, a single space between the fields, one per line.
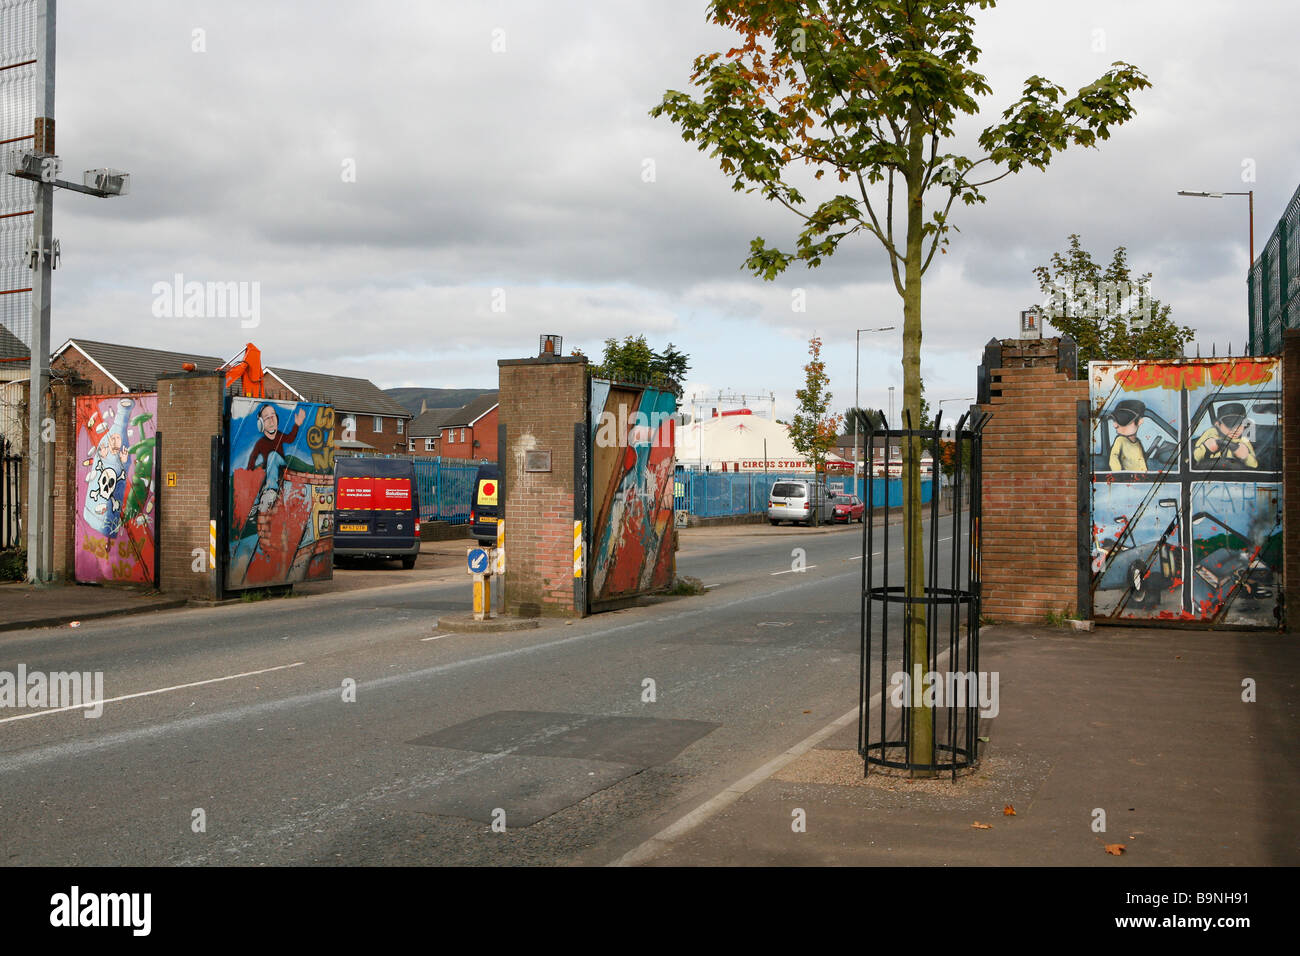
x=1187 y=490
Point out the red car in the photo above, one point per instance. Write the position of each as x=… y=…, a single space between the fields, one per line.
x=848 y=508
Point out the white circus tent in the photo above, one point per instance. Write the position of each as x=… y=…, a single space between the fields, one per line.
x=740 y=441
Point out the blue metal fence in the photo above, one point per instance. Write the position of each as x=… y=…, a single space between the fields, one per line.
x=445 y=489
x=719 y=494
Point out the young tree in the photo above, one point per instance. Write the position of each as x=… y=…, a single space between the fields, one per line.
x=1109 y=313
x=812 y=431
x=870 y=91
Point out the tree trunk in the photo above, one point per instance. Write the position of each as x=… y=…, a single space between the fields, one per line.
x=921 y=729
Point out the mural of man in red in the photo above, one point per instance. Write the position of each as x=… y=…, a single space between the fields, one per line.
x=268 y=453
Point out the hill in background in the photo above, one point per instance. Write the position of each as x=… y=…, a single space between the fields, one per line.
x=410 y=397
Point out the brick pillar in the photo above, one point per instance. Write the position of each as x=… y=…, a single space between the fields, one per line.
x=63 y=457
x=541 y=401
x=189 y=415
x=1030 y=528
x=1290 y=420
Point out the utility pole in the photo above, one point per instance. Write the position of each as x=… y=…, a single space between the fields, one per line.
x=40 y=546
x=41 y=165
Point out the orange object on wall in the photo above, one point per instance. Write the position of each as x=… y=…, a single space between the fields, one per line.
x=247 y=371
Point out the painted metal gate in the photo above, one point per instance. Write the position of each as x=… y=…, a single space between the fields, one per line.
x=629 y=538
x=279 y=493
x=1185 y=462
x=114 y=506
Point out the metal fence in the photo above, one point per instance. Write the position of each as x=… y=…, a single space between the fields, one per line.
x=445 y=489
x=1273 y=284
x=719 y=494
x=11 y=469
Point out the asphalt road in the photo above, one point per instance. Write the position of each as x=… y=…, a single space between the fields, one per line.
x=236 y=743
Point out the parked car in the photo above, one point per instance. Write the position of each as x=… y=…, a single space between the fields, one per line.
x=848 y=508
x=800 y=501
x=377 y=509
x=484 y=505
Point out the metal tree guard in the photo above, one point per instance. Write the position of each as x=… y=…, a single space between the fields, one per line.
x=881 y=741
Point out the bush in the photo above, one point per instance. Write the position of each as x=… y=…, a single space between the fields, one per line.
x=13 y=565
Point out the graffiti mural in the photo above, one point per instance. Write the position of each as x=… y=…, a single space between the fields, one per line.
x=631 y=482
x=281 y=493
x=114 y=534
x=1186 y=490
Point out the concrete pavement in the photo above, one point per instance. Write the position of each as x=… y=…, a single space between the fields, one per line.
x=1146 y=725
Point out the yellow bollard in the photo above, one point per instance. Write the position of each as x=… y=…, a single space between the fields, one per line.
x=482 y=596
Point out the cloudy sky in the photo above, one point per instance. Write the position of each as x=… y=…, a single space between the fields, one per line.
x=390 y=172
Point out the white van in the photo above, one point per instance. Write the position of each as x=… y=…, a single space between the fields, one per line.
x=799 y=501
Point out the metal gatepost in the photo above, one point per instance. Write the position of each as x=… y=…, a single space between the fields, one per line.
x=945 y=682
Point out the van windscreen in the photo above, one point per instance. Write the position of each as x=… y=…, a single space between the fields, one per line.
x=788 y=489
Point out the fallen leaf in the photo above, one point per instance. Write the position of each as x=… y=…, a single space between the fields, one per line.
x=1115 y=849
x=982 y=826
x=984 y=740
x=807 y=711
x=1008 y=811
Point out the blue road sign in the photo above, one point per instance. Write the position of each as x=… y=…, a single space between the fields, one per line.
x=478 y=560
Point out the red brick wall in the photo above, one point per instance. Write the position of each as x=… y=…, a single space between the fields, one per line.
x=189 y=414
x=73 y=361
x=1030 y=524
x=387 y=440
x=1290 y=419
x=484 y=432
x=539 y=404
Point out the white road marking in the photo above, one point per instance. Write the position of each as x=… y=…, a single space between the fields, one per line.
x=660 y=840
x=731 y=794
x=435 y=637
x=148 y=693
x=796 y=570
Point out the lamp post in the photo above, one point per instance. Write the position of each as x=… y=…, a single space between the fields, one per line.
x=41 y=165
x=857 y=344
x=1250 y=197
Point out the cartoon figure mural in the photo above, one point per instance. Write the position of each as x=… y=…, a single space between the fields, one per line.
x=115 y=520
x=633 y=452
x=1186 y=490
x=281 y=506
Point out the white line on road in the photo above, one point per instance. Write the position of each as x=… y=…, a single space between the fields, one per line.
x=795 y=570
x=660 y=840
x=731 y=794
x=148 y=693
x=435 y=637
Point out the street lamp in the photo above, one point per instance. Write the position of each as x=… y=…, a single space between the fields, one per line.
x=857 y=345
x=1250 y=194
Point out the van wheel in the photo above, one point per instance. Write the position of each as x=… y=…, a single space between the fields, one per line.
x=774 y=522
x=408 y=562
